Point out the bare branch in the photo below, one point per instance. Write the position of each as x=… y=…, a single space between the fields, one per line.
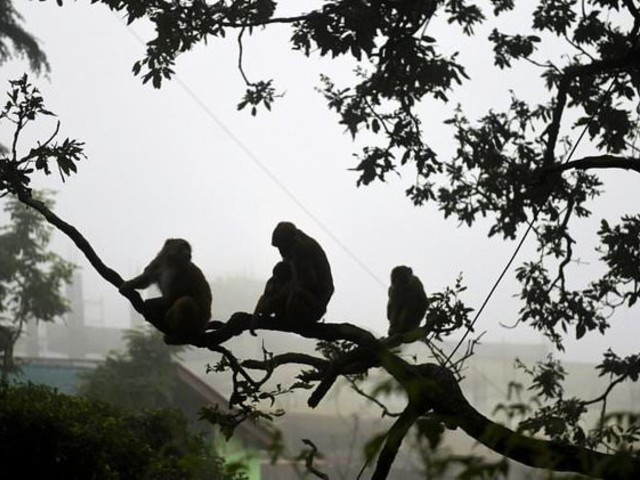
x=596 y=162
x=309 y=457
x=299 y=18
x=285 y=359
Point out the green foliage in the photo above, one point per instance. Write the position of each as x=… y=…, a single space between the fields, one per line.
x=45 y=434
x=31 y=276
x=144 y=376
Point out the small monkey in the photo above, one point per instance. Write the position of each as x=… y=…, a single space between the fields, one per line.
x=407 y=303
x=276 y=292
x=184 y=309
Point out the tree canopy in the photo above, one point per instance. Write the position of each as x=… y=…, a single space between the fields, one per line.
x=144 y=376
x=516 y=167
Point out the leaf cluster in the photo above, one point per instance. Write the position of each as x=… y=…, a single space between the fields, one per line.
x=24 y=106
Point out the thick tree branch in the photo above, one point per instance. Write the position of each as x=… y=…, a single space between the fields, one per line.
x=432 y=387
x=242 y=321
x=105 y=272
x=394 y=439
x=593 y=162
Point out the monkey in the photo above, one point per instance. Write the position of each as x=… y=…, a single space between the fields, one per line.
x=407 y=303
x=303 y=299
x=184 y=309
x=276 y=291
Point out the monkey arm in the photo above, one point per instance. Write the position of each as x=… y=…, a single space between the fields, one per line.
x=146 y=278
x=138 y=283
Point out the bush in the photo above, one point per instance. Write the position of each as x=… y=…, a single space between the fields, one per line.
x=45 y=434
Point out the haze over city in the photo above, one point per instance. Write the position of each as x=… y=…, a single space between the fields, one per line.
x=183 y=162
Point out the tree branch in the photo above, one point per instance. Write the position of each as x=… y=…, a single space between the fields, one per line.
x=433 y=387
x=570 y=73
x=298 y=18
x=286 y=359
x=105 y=272
x=593 y=162
x=395 y=436
x=240 y=322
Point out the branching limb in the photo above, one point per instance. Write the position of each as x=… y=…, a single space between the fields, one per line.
x=242 y=321
x=598 y=161
x=287 y=359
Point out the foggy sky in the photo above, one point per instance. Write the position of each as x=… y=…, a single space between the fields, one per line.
x=183 y=162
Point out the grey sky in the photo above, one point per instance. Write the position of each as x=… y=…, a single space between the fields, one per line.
x=167 y=163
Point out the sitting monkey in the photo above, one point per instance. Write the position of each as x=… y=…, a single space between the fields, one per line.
x=301 y=285
x=185 y=306
x=407 y=303
x=276 y=292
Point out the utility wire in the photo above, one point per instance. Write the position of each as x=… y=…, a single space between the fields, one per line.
x=258 y=163
x=530 y=226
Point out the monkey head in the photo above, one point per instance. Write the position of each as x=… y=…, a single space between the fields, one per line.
x=400 y=275
x=282 y=271
x=283 y=237
x=176 y=250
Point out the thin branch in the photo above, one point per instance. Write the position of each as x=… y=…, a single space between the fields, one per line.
x=606 y=393
x=299 y=18
x=372 y=399
x=309 y=457
x=240 y=52
x=286 y=359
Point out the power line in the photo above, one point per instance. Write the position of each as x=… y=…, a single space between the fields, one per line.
x=257 y=162
x=530 y=226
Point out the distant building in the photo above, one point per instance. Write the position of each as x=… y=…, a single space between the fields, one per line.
x=72 y=337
